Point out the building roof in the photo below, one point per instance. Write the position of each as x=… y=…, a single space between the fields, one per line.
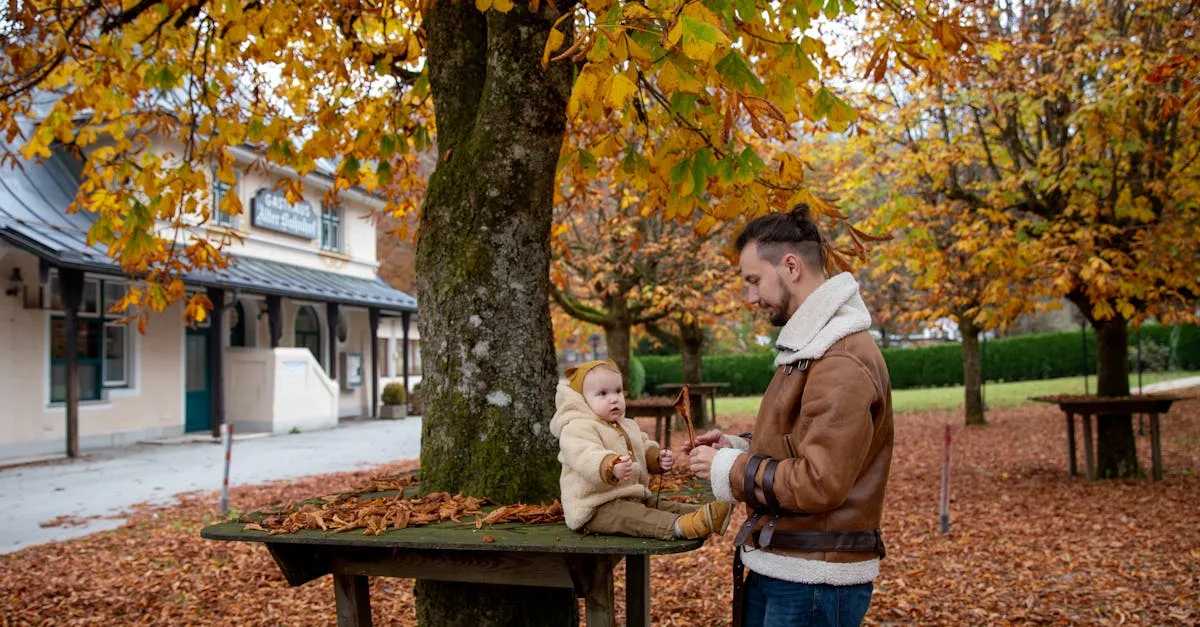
x=33 y=217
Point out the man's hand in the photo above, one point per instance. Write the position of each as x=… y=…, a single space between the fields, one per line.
x=623 y=471
x=714 y=438
x=701 y=460
x=666 y=460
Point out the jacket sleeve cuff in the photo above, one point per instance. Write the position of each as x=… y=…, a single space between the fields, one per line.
x=722 y=467
x=606 y=469
x=737 y=442
x=652 y=453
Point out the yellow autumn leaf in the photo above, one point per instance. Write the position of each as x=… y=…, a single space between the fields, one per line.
x=620 y=91
x=503 y=6
x=636 y=51
x=554 y=41
x=237 y=33
x=483 y=5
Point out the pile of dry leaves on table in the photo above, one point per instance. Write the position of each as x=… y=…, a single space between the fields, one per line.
x=351 y=510
x=1028 y=545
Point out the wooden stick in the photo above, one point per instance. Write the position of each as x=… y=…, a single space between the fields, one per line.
x=683 y=405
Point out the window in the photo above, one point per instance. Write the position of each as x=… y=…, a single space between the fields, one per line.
x=88 y=306
x=331 y=227
x=308 y=331
x=414 y=357
x=105 y=343
x=90 y=361
x=220 y=190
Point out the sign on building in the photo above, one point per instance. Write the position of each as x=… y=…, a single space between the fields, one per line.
x=271 y=210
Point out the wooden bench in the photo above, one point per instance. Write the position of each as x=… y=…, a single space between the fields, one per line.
x=1088 y=406
x=702 y=390
x=660 y=409
x=550 y=556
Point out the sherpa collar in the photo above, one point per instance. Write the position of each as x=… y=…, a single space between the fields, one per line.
x=833 y=311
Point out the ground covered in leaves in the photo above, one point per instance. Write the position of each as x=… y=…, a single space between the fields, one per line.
x=1027 y=545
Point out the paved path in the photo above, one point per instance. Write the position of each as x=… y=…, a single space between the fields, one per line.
x=1167 y=386
x=109 y=482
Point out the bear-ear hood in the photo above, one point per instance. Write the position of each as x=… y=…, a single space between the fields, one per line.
x=570 y=406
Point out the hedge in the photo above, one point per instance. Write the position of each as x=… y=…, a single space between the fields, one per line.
x=637 y=377
x=1022 y=358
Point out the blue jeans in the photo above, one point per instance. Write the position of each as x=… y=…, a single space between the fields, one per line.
x=776 y=603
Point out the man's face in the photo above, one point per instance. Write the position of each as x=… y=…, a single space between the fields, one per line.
x=765 y=285
x=603 y=392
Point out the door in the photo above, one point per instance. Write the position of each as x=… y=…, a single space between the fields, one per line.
x=198 y=380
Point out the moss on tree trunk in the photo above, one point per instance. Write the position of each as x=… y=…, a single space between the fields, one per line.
x=482 y=282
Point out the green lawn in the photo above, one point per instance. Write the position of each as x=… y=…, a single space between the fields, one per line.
x=996 y=394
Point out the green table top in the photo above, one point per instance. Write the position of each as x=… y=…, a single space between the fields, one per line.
x=507 y=537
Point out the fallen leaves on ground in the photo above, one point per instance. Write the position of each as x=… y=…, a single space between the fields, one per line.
x=1028 y=545
x=67 y=520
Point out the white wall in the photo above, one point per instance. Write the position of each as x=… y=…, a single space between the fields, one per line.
x=275 y=391
x=31 y=426
x=358 y=256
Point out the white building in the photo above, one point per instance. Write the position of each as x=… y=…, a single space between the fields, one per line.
x=296 y=344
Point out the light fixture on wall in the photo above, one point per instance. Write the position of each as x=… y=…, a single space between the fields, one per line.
x=15 y=283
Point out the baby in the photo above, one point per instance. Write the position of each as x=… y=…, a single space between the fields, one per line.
x=607 y=461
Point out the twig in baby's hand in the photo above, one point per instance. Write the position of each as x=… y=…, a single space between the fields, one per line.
x=683 y=405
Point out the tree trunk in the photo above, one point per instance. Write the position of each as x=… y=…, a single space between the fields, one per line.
x=1117 y=449
x=617 y=339
x=691 y=347
x=483 y=281
x=617 y=333
x=972 y=371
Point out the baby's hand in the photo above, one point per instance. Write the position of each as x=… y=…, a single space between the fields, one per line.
x=666 y=460
x=623 y=471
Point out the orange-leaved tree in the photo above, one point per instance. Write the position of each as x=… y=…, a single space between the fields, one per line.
x=1081 y=122
x=370 y=85
x=952 y=256
x=1093 y=140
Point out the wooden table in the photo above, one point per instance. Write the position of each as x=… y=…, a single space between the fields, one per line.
x=703 y=390
x=660 y=409
x=1088 y=406
x=550 y=556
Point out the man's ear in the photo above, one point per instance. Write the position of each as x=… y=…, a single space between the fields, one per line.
x=793 y=265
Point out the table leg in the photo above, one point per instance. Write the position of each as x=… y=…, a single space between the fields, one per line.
x=712 y=399
x=1155 y=449
x=353 y=600
x=1074 y=470
x=594 y=580
x=637 y=590
x=1088 y=448
x=666 y=441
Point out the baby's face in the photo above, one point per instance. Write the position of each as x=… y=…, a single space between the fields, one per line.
x=604 y=394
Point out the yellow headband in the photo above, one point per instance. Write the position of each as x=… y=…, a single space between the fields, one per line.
x=576 y=374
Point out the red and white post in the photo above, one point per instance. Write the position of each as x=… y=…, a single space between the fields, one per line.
x=945 y=506
x=227 y=440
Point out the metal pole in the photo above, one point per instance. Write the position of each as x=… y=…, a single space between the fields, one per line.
x=1083 y=343
x=1139 y=353
x=983 y=375
x=227 y=435
x=945 y=505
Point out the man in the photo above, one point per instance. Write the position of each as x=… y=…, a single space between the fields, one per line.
x=814 y=470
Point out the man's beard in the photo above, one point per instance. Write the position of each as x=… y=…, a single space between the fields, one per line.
x=780 y=316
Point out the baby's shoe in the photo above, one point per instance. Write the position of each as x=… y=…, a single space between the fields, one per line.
x=710 y=518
